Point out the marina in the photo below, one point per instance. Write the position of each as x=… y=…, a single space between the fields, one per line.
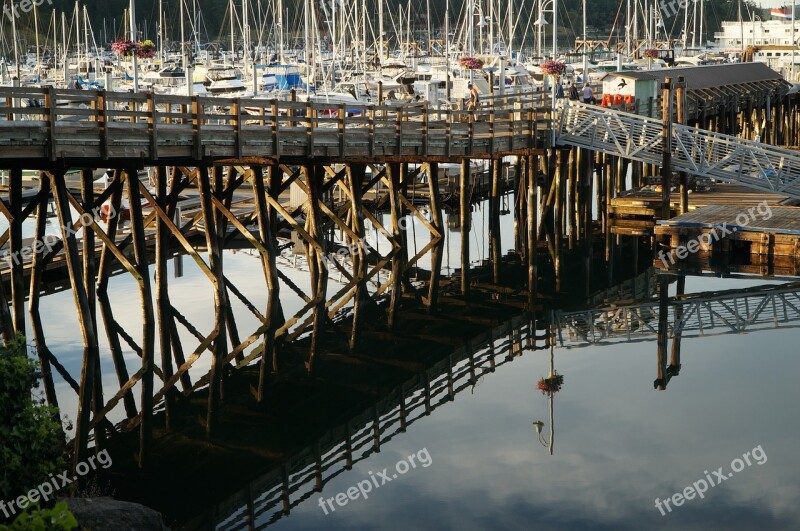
x=253 y=266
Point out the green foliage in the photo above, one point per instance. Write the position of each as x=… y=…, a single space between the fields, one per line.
x=30 y=432
x=56 y=519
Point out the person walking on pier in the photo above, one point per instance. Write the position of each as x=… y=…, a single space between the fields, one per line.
x=572 y=91
x=588 y=95
x=473 y=97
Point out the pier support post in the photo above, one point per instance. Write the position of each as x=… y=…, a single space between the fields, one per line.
x=90 y=348
x=89 y=276
x=681 y=117
x=666 y=142
x=316 y=258
x=148 y=319
x=163 y=305
x=17 y=265
x=465 y=215
x=494 y=220
x=220 y=299
x=532 y=167
x=663 y=333
x=355 y=183
x=37 y=269
x=438 y=224
x=394 y=178
x=267 y=228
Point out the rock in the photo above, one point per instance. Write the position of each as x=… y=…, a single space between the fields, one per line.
x=101 y=514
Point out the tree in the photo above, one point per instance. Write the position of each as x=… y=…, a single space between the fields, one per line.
x=31 y=434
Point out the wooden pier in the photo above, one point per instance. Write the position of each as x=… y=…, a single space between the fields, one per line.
x=755 y=229
x=236 y=161
x=635 y=213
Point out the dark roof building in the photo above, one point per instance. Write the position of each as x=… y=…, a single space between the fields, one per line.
x=706 y=86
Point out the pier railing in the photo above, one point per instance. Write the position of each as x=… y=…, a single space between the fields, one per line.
x=272 y=496
x=689 y=316
x=49 y=124
x=695 y=151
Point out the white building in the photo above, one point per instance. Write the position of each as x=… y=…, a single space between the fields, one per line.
x=770 y=41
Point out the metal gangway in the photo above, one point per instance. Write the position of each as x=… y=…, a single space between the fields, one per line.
x=695 y=151
x=694 y=315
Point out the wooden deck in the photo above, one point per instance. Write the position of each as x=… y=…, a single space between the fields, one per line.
x=99 y=127
x=635 y=213
x=746 y=228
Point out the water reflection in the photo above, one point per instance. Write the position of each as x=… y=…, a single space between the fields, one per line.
x=600 y=313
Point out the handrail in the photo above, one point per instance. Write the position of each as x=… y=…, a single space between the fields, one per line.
x=75 y=123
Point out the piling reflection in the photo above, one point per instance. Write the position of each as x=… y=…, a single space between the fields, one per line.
x=307 y=334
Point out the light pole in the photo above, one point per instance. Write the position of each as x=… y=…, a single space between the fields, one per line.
x=754 y=30
x=540 y=23
x=585 y=58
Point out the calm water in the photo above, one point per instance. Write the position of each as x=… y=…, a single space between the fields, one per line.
x=618 y=444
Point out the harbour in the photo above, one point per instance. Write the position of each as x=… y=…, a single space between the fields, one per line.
x=345 y=255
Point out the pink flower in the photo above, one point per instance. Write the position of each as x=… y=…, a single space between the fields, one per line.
x=553 y=68
x=551 y=385
x=471 y=63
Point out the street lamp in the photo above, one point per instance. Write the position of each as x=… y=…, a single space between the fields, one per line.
x=754 y=29
x=539 y=425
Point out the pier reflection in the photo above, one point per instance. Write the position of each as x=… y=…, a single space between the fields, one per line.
x=362 y=318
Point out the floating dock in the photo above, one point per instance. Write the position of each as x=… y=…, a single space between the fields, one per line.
x=635 y=213
x=745 y=228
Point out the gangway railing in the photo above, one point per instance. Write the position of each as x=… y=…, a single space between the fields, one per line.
x=689 y=316
x=696 y=151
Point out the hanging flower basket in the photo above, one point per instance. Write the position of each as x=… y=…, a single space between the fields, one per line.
x=471 y=63
x=124 y=48
x=550 y=385
x=651 y=53
x=146 y=49
x=553 y=68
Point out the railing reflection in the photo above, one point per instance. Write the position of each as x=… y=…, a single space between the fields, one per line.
x=273 y=496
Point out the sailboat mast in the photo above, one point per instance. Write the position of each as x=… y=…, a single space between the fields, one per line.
x=16 y=49
x=233 y=30
x=585 y=54
x=628 y=30
x=428 y=19
x=510 y=28
x=446 y=43
x=380 y=37
x=134 y=38
x=64 y=44
x=161 y=31
x=279 y=14
x=86 y=39
x=36 y=26
x=246 y=35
